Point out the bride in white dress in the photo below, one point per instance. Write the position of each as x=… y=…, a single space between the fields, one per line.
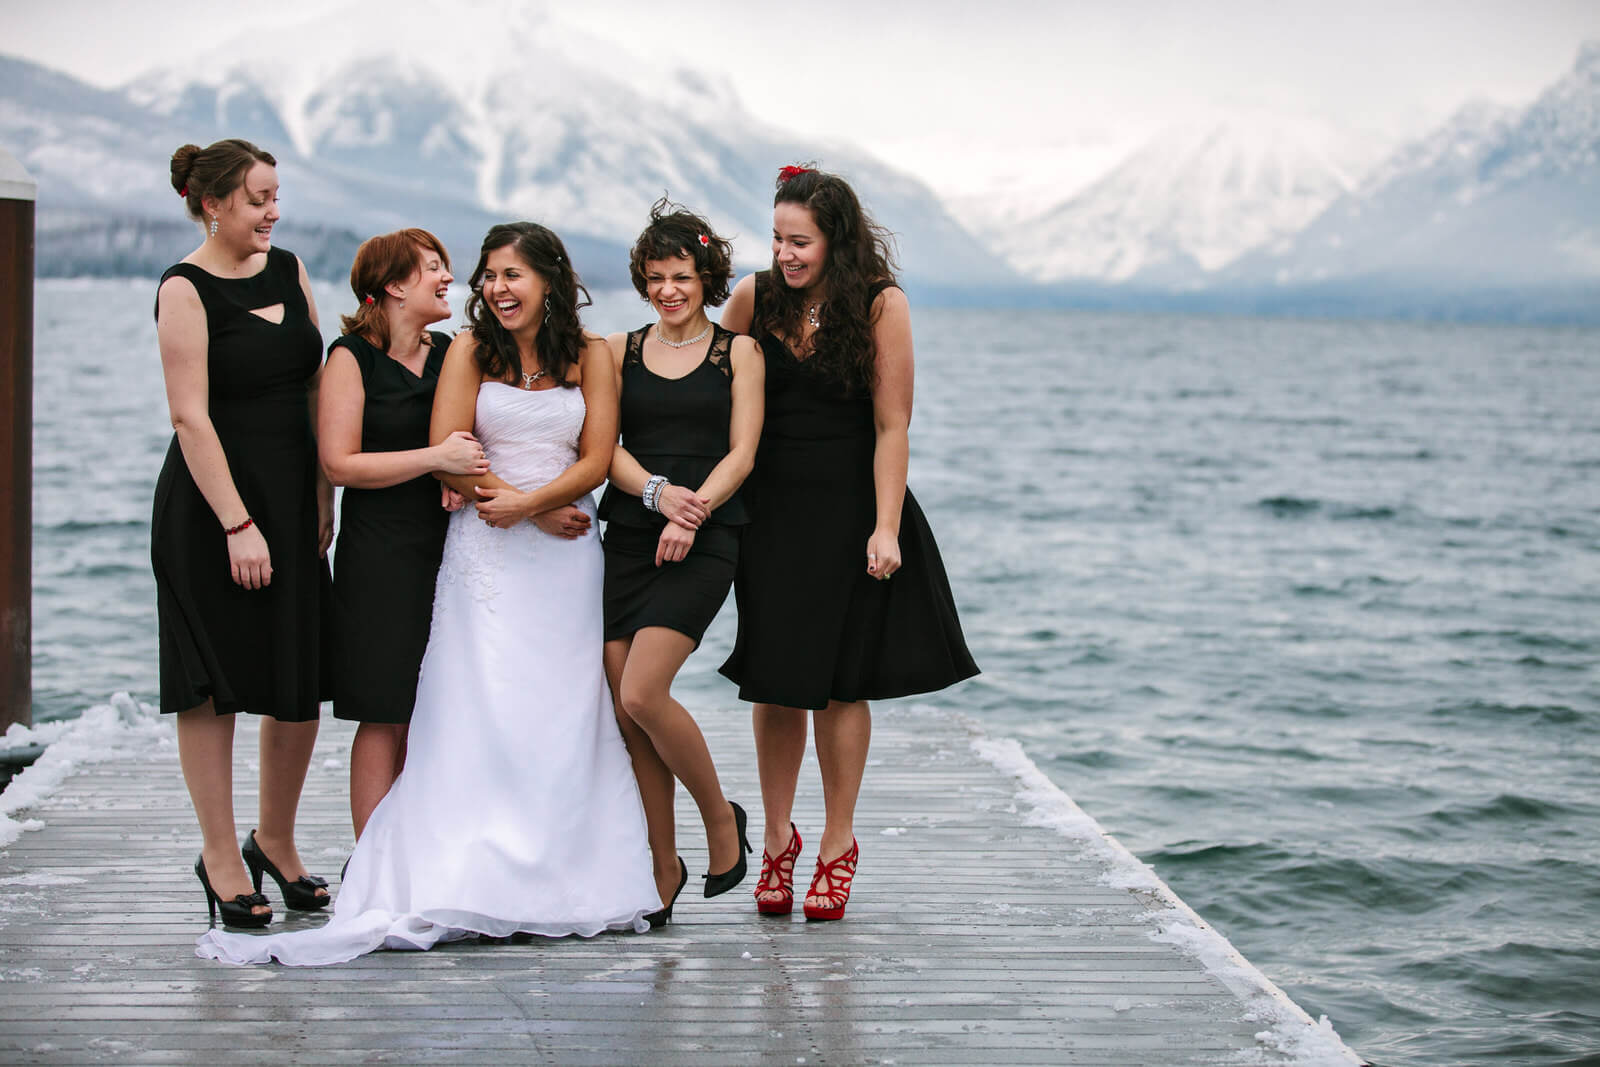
x=517 y=810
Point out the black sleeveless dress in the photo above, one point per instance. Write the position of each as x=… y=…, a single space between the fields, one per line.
x=677 y=427
x=813 y=625
x=390 y=544
x=260 y=650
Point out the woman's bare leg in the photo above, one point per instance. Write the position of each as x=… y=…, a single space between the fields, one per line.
x=205 y=752
x=658 y=790
x=376 y=756
x=285 y=755
x=780 y=748
x=844 y=733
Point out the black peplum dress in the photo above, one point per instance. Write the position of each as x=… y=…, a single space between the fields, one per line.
x=260 y=650
x=813 y=625
x=390 y=544
x=677 y=427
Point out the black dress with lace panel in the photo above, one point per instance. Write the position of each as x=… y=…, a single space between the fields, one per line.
x=677 y=427
x=813 y=625
x=261 y=650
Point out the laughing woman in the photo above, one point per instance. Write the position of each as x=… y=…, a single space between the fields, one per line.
x=376 y=402
x=691 y=419
x=241 y=521
x=842 y=594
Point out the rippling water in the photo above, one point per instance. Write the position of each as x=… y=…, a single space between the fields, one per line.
x=1306 y=613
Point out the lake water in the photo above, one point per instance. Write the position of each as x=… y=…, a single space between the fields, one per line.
x=1306 y=613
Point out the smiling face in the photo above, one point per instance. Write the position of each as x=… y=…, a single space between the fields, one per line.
x=798 y=246
x=428 y=286
x=675 y=290
x=513 y=290
x=246 y=216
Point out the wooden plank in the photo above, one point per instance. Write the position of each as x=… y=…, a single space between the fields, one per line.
x=971 y=937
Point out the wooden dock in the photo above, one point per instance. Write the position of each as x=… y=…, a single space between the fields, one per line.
x=978 y=933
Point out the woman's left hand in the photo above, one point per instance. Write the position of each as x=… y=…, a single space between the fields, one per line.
x=883 y=554
x=502 y=508
x=324 y=521
x=674 y=544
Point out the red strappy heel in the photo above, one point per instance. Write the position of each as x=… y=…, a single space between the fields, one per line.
x=839 y=874
x=777 y=876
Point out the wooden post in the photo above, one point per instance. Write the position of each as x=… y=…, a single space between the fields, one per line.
x=17 y=192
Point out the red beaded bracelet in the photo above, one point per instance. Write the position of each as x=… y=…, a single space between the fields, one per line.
x=243 y=526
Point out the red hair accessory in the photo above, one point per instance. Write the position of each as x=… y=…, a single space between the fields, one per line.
x=786 y=173
x=704 y=240
x=184 y=192
x=370 y=300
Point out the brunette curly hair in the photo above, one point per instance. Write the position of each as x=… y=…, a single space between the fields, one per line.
x=560 y=342
x=860 y=254
x=216 y=170
x=380 y=262
x=676 y=231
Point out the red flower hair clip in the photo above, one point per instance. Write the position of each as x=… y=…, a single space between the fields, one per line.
x=369 y=300
x=705 y=241
x=184 y=192
x=787 y=173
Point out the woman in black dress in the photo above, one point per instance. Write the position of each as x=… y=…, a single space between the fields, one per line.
x=690 y=419
x=241 y=523
x=372 y=436
x=842 y=595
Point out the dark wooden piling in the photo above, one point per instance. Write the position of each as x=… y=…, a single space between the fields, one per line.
x=16 y=443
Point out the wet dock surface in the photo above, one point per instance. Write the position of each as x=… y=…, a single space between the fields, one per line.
x=984 y=928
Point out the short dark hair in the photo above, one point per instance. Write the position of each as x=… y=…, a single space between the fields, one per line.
x=676 y=231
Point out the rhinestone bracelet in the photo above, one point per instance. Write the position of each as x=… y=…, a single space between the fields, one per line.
x=652 y=492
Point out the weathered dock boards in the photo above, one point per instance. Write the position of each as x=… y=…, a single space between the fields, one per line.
x=972 y=937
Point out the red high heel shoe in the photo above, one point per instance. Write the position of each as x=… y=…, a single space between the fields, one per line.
x=839 y=873
x=777 y=876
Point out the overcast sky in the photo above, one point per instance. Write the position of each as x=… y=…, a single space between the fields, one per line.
x=969 y=89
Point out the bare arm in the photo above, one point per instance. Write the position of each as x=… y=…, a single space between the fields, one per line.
x=596 y=441
x=313 y=390
x=339 y=421
x=891 y=415
x=744 y=427
x=455 y=407
x=181 y=331
x=741 y=306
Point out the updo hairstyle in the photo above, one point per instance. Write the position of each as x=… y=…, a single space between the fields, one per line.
x=676 y=231
x=214 y=171
x=381 y=262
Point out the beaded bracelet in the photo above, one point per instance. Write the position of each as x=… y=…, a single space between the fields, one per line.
x=241 y=528
x=651 y=497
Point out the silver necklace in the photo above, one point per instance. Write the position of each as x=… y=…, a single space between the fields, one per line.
x=811 y=316
x=529 y=379
x=701 y=336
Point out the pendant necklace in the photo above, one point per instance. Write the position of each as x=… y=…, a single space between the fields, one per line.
x=701 y=336
x=811 y=316
x=529 y=379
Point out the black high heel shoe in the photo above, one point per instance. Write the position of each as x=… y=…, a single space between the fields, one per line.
x=717 y=884
x=659 y=918
x=236 y=912
x=298 y=895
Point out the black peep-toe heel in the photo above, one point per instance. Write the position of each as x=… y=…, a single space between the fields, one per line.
x=717 y=884
x=298 y=895
x=236 y=912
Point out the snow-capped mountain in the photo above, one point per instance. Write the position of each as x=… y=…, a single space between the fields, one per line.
x=1191 y=201
x=451 y=117
x=1496 y=197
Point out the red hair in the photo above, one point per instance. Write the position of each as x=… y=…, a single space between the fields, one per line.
x=380 y=262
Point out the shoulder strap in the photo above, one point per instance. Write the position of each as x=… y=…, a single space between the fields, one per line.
x=721 y=351
x=197 y=277
x=360 y=348
x=634 y=353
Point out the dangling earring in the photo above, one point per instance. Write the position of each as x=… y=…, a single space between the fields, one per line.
x=213 y=232
x=402 y=299
x=547 y=307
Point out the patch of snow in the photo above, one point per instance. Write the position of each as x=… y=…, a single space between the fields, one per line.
x=103 y=732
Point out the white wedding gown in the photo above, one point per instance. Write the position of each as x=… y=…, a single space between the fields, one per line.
x=517 y=809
